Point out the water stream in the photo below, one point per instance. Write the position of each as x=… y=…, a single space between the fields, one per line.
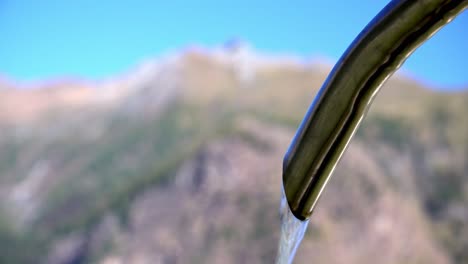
x=292 y=233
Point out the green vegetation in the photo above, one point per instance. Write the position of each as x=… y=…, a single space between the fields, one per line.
x=18 y=247
x=394 y=131
x=155 y=150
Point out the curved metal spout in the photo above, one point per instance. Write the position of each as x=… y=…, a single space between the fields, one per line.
x=342 y=102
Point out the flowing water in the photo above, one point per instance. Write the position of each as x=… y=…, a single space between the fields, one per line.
x=292 y=233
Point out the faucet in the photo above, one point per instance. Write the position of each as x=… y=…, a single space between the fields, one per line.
x=342 y=102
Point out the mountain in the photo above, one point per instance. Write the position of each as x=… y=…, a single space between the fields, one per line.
x=179 y=161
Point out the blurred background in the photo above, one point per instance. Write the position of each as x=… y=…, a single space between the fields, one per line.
x=150 y=132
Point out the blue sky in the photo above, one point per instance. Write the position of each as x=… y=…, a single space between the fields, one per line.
x=43 y=39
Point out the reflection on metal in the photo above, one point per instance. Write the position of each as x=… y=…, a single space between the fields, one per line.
x=342 y=102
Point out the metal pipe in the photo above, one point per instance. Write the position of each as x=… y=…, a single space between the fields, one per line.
x=342 y=102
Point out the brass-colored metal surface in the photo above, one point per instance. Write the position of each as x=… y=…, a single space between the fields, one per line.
x=342 y=102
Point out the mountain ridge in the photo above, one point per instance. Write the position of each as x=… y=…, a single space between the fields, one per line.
x=182 y=164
